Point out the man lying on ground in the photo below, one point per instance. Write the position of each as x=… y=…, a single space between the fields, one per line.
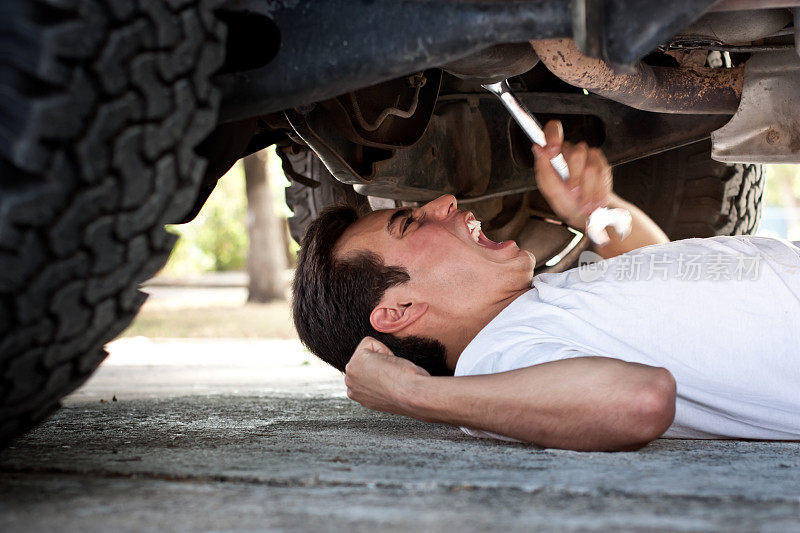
x=430 y=319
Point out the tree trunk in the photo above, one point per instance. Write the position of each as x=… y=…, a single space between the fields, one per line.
x=266 y=257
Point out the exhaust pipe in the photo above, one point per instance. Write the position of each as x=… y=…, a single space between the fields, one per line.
x=660 y=89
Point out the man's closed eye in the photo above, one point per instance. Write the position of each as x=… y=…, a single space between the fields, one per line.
x=406 y=223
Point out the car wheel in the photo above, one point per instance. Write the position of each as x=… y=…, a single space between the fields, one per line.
x=312 y=188
x=690 y=195
x=102 y=103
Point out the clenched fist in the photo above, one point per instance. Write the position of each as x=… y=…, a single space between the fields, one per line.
x=590 y=182
x=379 y=380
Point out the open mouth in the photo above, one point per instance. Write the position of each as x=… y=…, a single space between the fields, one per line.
x=474 y=228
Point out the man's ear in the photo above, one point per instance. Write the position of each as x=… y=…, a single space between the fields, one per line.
x=396 y=312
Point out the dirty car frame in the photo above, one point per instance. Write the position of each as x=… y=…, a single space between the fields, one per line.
x=453 y=157
x=331 y=47
x=321 y=52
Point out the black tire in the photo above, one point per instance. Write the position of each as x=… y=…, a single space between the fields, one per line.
x=690 y=195
x=312 y=188
x=102 y=103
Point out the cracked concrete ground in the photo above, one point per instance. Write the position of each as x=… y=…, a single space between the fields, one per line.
x=257 y=435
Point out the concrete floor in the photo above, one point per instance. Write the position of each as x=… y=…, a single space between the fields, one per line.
x=244 y=436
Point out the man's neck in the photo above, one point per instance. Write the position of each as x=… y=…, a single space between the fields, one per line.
x=455 y=339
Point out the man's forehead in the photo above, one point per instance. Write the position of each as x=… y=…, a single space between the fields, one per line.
x=364 y=233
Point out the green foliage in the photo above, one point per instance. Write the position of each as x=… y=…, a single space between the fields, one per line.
x=217 y=238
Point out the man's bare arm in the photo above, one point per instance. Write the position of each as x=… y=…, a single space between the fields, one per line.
x=586 y=403
x=589 y=187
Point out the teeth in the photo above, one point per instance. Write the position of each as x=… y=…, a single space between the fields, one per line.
x=474 y=227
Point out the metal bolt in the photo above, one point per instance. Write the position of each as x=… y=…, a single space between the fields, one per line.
x=773 y=136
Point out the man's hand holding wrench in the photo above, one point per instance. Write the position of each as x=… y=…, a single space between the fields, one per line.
x=579 y=189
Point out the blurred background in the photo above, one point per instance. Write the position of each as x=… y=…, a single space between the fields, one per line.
x=229 y=274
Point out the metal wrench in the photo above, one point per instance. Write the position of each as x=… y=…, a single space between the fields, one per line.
x=600 y=218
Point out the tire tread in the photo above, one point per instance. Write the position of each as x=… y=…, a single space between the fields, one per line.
x=105 y=101
x=690 y=195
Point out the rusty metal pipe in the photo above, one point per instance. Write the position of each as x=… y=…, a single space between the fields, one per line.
x=658 y=89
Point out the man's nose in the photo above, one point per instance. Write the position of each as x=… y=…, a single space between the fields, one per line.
x=442 y=207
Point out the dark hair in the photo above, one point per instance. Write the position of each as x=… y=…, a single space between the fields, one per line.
x=332 y=299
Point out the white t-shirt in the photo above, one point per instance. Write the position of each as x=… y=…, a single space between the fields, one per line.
x=721 y=314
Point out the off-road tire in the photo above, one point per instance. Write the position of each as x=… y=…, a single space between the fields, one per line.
x=102 y=103
x=690 y=195
x=312 y=188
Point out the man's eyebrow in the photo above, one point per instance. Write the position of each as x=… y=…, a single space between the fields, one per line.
x=397 y=215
